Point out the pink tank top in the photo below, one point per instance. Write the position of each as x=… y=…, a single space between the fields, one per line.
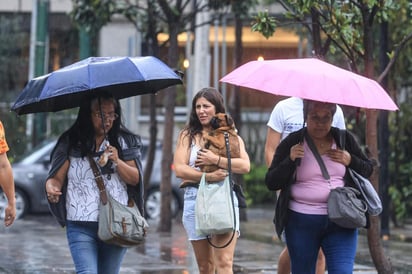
x=310 y=192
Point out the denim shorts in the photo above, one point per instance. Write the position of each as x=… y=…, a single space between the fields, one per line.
x=188 y=217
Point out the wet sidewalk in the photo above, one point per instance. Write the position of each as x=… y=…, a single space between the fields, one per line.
x=398 y=249
x=37 y=245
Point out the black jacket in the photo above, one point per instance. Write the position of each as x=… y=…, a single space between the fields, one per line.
x=60 y=154
x=281 y=173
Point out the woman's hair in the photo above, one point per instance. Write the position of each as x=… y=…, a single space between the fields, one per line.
x=309 y=105
x=215 y=98
x=81 y=133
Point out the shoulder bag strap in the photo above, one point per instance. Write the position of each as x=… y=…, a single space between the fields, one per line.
x=99 y=179
x=315 y=152
x=229 y=169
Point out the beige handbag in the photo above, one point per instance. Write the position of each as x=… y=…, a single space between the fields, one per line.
x=119 y=224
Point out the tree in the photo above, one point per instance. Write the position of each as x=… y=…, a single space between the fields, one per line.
x=349 y=28
x=240 y=10
x=398 y=185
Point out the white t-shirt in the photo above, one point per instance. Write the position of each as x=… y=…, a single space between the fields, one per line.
x=287 y=117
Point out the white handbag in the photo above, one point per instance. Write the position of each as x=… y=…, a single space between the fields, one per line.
x=215 y=211
x=214 y=208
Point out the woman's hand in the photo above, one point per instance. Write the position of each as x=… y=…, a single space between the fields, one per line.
x=53 y=189
x=10 y=213
x=339 y=156
x=296 y=151
x=206 y=157
x=217 y=175
x=113 y=154
x=54 y=184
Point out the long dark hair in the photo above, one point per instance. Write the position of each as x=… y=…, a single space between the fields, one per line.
x=215 y=98
x=81 y=134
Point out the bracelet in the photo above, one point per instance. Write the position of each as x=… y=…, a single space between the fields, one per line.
x=218 y=162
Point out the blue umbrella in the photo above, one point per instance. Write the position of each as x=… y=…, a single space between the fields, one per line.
x=121 y=76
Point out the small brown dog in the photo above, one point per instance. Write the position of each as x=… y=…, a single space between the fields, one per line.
x=215 y=139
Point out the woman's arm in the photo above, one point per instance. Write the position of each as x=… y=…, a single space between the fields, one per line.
x=239 y=165
x=128 y=171
x=7 y=185
x=282 y=167
x=129 y=167
x=359 y=161
x=181 y=160
x=55 y=183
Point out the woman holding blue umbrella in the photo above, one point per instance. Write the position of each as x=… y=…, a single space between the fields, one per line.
x=71 y=188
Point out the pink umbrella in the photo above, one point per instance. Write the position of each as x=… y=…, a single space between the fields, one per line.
x=313 y=79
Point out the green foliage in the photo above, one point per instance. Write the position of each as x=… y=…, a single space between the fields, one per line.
x=400 y=204
x=92 y=15
x=400 y=163
x=14 y=44
x=14 y=128
x=242 y=8
x=342 y=24
x=218 y=4
x=264 y=24
x=254 y=186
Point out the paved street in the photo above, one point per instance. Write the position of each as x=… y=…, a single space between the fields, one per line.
x=37 y=245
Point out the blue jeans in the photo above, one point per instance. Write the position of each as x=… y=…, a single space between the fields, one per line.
x=89 y=253
x=306 y=233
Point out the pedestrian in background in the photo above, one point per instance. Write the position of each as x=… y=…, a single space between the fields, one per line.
x=188 y=155
x=7 y=180
x=302 y=208
x=98 y=131
x=287 y=117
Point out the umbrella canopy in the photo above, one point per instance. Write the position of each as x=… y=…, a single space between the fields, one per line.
x=121 y=76
x=313 y=79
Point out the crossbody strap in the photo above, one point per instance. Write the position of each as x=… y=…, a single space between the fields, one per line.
x=315 y=152
x=229 y=169
x=99 y=179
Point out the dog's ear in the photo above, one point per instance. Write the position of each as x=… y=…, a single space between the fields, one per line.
x=214 y=122
x=229 y=120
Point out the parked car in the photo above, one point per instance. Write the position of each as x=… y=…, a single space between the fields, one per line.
x=31 y=171
x=152 y=195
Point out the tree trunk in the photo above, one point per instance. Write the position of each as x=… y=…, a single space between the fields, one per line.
x=152 y=49
x=150 y=157
x=381 y=262
x=170 y=101
x=383 y=140
x=317 y=44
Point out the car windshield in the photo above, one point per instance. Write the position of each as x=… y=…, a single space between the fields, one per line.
x=40 y=151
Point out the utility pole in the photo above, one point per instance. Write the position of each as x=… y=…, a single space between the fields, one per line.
x=85 y=44
x=36 y=124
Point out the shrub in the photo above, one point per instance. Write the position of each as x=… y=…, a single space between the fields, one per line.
x=255 y=189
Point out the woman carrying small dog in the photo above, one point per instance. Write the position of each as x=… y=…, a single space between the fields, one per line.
x=189 y=156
